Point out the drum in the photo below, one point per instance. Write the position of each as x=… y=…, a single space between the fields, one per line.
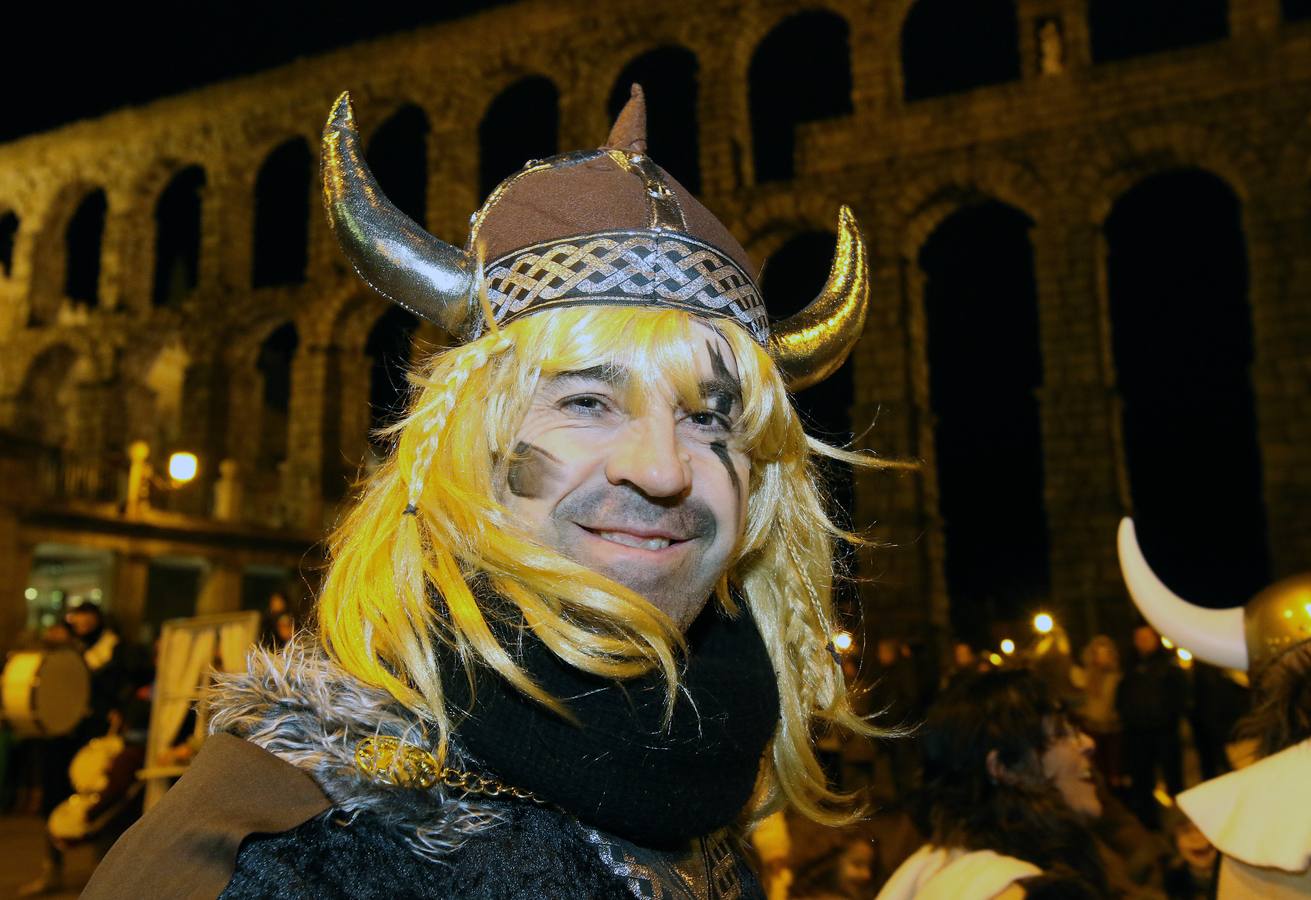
x=45 y=693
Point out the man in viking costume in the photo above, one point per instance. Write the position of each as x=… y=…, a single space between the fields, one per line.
x=1259 y=817
x=575 y=631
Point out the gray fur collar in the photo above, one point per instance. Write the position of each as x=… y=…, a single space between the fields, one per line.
x=300 y=706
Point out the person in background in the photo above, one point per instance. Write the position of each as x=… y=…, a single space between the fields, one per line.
x=276 y=609
x=1010 y=791
x=1098 y=680
x=1151 y=701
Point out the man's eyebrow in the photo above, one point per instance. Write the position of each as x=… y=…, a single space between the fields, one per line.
x=721 y=385
x=614 y=376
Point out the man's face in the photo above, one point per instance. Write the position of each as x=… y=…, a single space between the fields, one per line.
x=83 y=622
x=652 y=495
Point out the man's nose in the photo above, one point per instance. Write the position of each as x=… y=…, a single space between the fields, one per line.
x=649 y=457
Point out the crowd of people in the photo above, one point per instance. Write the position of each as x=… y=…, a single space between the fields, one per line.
x=111 y=736
x=1069 y=765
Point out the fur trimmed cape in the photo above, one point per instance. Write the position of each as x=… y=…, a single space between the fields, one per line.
x=274 y=806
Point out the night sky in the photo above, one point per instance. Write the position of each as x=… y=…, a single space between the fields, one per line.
x=57 y=72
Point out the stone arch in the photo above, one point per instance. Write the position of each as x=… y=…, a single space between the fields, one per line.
x=981 y=39
x=818 y=42
x=1116 y=163
x=397 y=154
x=46 y=406
x=1122 y=29
x=928 y=200
x=280 y=232
x=49 y=264
x=669 y=74
x=178 y=223
x=521 y=122
x=1178 y=286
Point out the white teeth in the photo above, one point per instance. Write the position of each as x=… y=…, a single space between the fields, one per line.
x=632 y=540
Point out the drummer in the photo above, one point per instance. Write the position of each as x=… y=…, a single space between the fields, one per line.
x=107 y=657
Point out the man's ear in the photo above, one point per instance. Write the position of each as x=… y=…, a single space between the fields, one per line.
x=997 y=771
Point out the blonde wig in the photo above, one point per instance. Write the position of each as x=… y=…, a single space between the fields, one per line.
x=399 y=583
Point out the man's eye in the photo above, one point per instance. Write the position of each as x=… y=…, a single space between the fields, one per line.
x=709 y=420
x=584 y=404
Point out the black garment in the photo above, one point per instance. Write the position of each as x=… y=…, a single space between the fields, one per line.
x=655 y=786
x=1151 y=700
x=532 y=853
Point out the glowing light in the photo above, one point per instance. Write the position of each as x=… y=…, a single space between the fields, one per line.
x=182 y=467
x=1008 y=646
x=1043 y=623
x=842 y=641
x=994 y=659
x=96 y=593
x=1184 y=655
x=1167 y=643
x=31 y=593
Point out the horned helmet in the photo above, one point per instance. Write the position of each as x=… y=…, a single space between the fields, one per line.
x=596 y=227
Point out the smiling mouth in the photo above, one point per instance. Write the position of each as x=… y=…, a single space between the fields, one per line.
x=636 y=541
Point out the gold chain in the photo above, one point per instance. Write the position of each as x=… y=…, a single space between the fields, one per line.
x=393 y=761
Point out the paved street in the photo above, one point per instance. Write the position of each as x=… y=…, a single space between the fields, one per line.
x=22 y=844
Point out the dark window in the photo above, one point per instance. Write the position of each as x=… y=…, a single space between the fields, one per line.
x=282 y=197
x=669 y=79
x=1182 y=336
x=985 y=367
x=82 y=245
x=8 y=237
x=389 y=346
x=949 y=46
x=801 y=72
x=398 y=157
x=1296 y=10
x=522 y=123
x=1122 y=29
x=177 y=237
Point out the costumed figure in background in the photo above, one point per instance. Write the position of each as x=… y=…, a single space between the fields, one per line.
x=576 y=628
x=1257 y=816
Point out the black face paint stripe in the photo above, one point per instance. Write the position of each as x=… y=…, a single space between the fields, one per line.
x=530 y=468
x=724 y=378
x=721 y=451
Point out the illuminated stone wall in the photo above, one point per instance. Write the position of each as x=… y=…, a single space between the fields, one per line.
x=1060 y=144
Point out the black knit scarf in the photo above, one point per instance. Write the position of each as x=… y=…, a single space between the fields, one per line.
x=620 y=769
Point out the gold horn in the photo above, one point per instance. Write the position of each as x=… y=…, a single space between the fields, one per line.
x=809 y=346
x=388 y=249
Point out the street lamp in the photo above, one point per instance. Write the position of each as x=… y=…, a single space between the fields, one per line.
x=1008 y=646
x=1043 y=623
x=842 y=641
x=182 y=468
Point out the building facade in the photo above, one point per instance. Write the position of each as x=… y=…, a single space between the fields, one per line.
x=166 y=276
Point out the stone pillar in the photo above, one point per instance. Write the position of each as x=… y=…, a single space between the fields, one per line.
x=220 y=591
x=1279 y=257
x=302 y=486
x=203 y=433
x=1085 y=485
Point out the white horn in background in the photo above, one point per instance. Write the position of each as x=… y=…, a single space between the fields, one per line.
x=1215 y=636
